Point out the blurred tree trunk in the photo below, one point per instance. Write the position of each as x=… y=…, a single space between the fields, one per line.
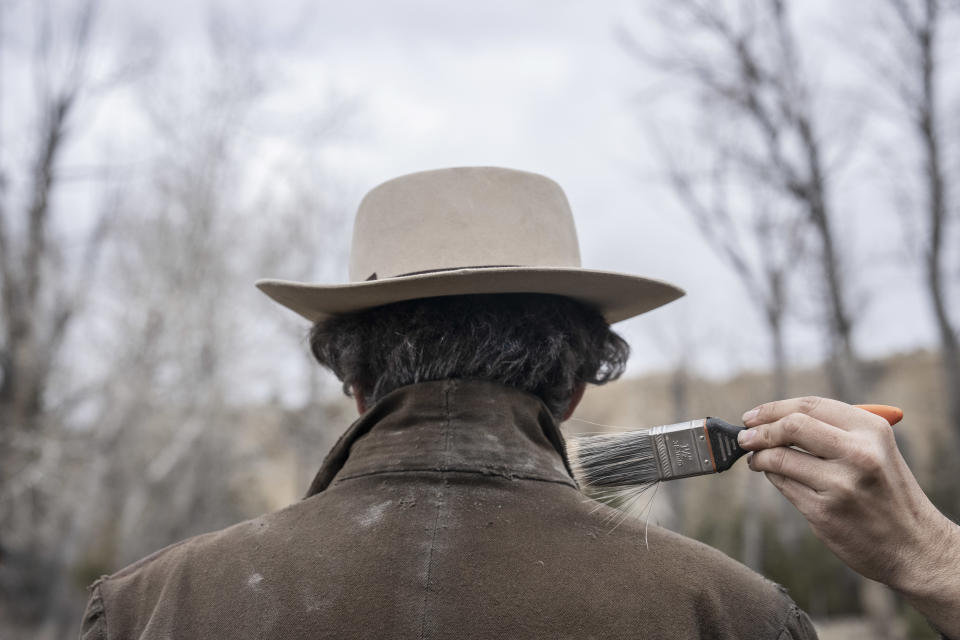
x=807 y=182
x=33 y=332
x=42 y=291
x=680 y=389
x=811 y=193
x=919 y=24
x=927 y=126
x=778 y=349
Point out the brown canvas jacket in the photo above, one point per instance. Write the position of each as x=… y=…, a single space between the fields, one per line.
x=446 y=511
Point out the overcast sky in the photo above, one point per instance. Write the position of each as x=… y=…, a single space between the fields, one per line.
x=544 y=87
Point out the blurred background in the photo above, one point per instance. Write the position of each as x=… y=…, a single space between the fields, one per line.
x=792 y=165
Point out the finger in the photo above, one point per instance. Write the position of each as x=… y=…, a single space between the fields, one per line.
x=803 y=497
x=806 y=469
x=796 y=429
x=830 y=411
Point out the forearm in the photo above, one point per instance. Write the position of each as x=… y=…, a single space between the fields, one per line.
x=932 y=584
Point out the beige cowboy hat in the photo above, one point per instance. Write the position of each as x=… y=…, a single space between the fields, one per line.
x=468 y=230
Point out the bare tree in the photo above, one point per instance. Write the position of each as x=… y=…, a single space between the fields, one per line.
x=744 y=61
x=915 y=34
x=149 y=449
x=172 y=429
x=744 y=64
x=184 y=261
x=37 y=306
x=44 y=283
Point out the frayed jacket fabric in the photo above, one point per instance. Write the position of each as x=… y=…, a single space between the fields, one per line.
x=446 y=511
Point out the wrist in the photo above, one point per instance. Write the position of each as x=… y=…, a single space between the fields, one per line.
x=928 y=580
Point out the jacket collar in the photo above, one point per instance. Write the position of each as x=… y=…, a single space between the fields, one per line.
x=451 y=425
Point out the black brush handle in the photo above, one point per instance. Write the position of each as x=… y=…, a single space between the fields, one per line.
x=723 y=443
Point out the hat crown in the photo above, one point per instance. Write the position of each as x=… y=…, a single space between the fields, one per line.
x=459 y=218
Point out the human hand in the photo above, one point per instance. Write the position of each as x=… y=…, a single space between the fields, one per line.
x=855 y=489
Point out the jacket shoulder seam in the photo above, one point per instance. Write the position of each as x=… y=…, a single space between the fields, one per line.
x=792 y=611
x=99 y=608
x=143 y=562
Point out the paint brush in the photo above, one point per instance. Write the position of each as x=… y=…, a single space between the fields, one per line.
x=603 y=463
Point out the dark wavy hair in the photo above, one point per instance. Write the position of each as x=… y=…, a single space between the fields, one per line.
x=543 y=344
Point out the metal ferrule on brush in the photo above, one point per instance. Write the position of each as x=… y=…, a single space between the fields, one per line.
x=682 y=449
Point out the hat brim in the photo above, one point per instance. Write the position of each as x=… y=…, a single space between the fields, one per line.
x=617 y=296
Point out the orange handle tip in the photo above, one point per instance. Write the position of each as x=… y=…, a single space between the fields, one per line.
x=893 y=415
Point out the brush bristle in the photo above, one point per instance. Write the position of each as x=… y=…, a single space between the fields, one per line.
x=600 y=462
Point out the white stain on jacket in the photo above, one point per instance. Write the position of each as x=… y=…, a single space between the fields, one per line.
x=373 y=514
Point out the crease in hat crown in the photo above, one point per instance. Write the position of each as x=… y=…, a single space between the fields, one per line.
x=468 y=230
x=462 y=217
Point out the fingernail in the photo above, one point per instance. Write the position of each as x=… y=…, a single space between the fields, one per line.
x=750 y=415
x=745 y=436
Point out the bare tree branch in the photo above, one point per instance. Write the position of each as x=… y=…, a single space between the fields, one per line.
x=753 y=76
